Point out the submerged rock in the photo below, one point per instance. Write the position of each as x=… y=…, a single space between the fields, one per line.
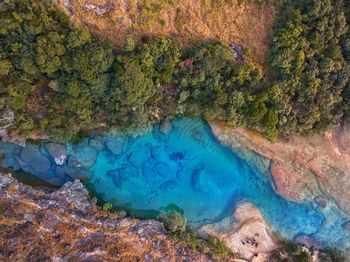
x=137 y=158
x=97 y=143
x=57 y=151
x=85 y=155
x=195 y=178
x=64 y=225
x=59 y=171
x=168 y=185
x=115 y=145
x=165 y=127
x=73 y=162
x=76 y=173
x=246 y=233
x=32 y=157
x=163 y=170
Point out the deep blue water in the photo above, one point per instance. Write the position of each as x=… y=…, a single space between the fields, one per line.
x=185 y=167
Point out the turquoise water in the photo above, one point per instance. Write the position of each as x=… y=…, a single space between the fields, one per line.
x=181 y=166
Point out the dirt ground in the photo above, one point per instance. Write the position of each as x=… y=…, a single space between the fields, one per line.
x=188 y=21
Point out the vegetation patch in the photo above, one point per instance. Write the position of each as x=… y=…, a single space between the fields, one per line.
x=60 y=80
x=177 y=227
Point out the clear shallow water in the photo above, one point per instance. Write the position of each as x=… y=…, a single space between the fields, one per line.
x=183 y=167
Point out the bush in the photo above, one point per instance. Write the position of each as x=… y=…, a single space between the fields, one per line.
x=174 y=222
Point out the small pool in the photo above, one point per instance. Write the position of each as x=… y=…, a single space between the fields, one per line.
x=181 y=166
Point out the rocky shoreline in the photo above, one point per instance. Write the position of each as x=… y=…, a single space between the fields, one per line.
x=303 y=168
x=65 y=225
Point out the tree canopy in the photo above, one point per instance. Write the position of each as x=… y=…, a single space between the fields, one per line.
x=59 y=79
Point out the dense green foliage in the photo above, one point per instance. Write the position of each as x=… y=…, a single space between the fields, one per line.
x=346 y=44
x=291 y=252
x=177 y=227
x=53 y=76
x=59 y=79
x=309 y=63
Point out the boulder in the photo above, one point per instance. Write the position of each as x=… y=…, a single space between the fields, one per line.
x=59 y=171
x=32 y=157
x=156 y=152
x=58 y=152
x=162 y=169
x=115 y=145
x=246 y=233
x=86 y=155
x=99 y=10
x=165 y=127
x=97 y=143
x=73 y=162
x=137 y=158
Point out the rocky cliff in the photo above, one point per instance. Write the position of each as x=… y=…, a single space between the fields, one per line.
x=64 y=225
x=304 y=167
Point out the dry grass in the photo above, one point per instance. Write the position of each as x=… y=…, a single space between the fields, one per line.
x=188 y=21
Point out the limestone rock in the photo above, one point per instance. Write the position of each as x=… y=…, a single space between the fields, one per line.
x=246 y=233
x=101 y=9
x=165 y=127
x=97 y=143
x=303 y=167
x=64 y=225
x=57 y=151
x=85 y=155
x=32 y=157
x=115 y=145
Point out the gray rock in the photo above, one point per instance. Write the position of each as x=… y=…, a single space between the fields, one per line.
x=97 y=143
x=86 y=155
x=99 y=10
x=35 y=159
x=156 y=152
x=161 y=169
x=137 y=158
x=165 y=127
x=73 y=162
x=59 y=171
x=57 y=151
x=75 y=194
